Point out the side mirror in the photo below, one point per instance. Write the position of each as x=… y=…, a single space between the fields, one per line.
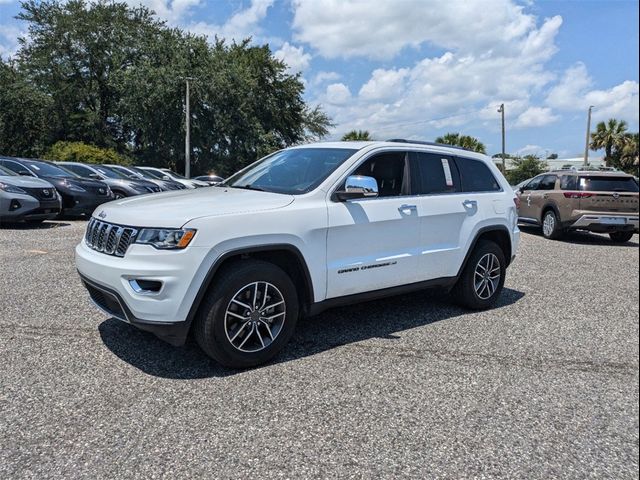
x=358 y=186
x=166 y=178
x=25 y=173
x=95 y=176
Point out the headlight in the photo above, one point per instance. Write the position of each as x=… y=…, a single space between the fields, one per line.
x=166 y=239
x=11 y=188
x=73 y=187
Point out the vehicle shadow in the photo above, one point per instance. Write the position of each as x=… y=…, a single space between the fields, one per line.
x=333 y=328
x=581 y=237
x=33 y=226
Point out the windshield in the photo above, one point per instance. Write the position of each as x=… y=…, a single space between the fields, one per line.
x=294 y=171
x=608 y=184
x=173 y=174
x=148 y=173
x=49 y=170
x=110 y=173
x=5 y=172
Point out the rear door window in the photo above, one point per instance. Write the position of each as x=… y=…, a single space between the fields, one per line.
x=548 y=182
x=476 y=176
x=569 y=182
x=608 y=184
x=433 y=173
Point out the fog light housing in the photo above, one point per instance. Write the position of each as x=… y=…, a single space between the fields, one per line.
x=14 y=205
x=145 y=287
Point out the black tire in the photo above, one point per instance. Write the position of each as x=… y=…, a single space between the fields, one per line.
x=209 y=328
x=555 y=232
x=465 y=292
x=621 y=237
x=118 y=195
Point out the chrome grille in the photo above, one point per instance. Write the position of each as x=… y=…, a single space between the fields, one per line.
x=109 y=238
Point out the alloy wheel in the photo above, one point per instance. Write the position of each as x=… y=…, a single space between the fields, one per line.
x=487 y=276
x=549 y=224
x=255 y=316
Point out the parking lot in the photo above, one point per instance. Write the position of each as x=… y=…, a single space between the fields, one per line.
x=545 y=385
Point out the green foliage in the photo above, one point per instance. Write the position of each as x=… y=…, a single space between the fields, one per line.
x=464 y=141
x=525 y=168
x=81 y=152
x=113 y=76
x=356 y=135
x=609 y=135
x=24 y=121
x=552 y=156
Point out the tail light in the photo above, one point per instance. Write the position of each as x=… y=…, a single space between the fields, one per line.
x=516 y=200
x=577 y=195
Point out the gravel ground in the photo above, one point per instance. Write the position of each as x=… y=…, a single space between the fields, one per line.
x=544 y=386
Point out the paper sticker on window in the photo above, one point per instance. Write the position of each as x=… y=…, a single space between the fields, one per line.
x=447 y=172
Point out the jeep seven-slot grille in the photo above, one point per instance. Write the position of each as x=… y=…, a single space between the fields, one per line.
x=109 y=238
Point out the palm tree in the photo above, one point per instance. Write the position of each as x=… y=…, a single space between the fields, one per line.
x=464 y=141
x=609 y=135
x=356 y=135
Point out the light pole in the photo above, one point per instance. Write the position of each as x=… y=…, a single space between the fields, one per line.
x=586 y=143
x=187 y=137
x=504 y=162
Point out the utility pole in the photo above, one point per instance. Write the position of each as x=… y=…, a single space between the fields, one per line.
x=187 y=138
x=504 y=161
x=586 y=144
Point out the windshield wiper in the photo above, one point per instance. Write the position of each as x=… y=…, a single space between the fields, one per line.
x=249 y=187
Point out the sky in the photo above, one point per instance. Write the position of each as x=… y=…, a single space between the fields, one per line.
x=417 y=69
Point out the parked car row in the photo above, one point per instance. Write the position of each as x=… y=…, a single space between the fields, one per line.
x=36 y=190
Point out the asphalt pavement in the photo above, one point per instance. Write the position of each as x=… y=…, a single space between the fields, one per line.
x=543 y=386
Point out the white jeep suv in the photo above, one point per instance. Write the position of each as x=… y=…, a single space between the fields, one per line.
x=301 y=230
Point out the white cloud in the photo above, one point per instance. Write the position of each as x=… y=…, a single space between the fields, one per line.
x=323 y=77
x=9 y=34
x=384 y=83
x=536 y=117
x=347 y=28
x=173 y=11
x=575 y=92
x=243 y=24
x=295 y=57
x=337 y=94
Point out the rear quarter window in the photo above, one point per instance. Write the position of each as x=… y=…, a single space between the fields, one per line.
x=475 y=176
x=608 y=184
x=569 y=182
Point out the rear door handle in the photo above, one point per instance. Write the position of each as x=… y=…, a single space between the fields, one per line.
x=469 y=204
x=404 y=208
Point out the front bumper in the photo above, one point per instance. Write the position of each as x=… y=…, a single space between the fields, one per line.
x=78 y=203
x=608 y=222
x=180 y=274
x=17 y=207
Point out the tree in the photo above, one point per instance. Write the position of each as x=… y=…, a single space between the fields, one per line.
x=112 y=76
x=357 y=135
x=625 y=154
x=82 y=152
x=464 y=141
x=24 y=120
x=609 y=135
x=524 y=168
x=552 y=156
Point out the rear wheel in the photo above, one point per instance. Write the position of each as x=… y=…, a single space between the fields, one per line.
x=550 y=226
x=621 y=237
x=482 y=279
x=249 y=314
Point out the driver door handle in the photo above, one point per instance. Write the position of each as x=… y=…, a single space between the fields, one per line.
x=405 y=207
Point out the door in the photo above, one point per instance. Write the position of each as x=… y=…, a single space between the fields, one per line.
x=373 y=243
x=446 y=214
x=540 y=197
x=526 y=211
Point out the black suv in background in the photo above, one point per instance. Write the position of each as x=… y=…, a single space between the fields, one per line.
x=120 y=185
x=138 y=174
x=80 y=196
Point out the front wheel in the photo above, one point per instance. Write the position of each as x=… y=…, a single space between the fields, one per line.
x=483 y=277
x=249 y=315
x=621 y=237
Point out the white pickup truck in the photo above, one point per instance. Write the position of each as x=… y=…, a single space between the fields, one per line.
x=301 y=230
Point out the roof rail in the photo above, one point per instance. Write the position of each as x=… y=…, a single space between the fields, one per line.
x=422 y=142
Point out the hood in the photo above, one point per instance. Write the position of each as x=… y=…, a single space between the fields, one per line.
x=83 y=182
x=26 y=182
x=174 y=209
